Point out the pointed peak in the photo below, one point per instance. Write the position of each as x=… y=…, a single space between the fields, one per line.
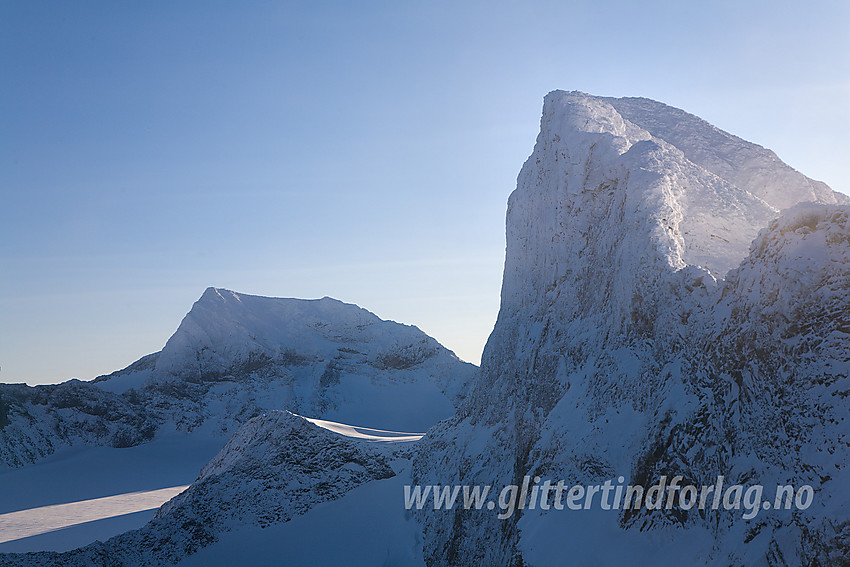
x=218 y=294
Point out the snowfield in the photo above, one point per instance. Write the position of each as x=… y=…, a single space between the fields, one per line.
x=36 y=521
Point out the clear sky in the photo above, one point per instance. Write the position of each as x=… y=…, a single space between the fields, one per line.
x=361 y=150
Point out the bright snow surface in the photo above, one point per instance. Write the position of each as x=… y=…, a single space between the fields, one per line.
x=107 y=491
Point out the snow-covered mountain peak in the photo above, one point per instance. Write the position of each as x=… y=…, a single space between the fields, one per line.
x=580 y=112
x=225 y=329
x=218 y=305
x=621 y=349
x=320 y=357
x=743 y=164
x=678 y=189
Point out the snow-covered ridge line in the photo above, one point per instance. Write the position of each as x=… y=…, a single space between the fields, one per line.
x=746 y=165
x=366 y=433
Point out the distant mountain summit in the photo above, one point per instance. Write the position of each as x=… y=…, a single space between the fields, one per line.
x=321 y=358
x=235 y=356
x=226 y=334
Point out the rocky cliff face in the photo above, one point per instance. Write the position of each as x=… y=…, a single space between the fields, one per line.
x=620 y=349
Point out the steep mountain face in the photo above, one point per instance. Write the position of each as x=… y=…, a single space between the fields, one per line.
x=781 y=344
x=235 y=356
x=277 y=466
x=620 y=350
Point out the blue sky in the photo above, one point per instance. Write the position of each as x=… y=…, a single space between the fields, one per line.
x=363 y=150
